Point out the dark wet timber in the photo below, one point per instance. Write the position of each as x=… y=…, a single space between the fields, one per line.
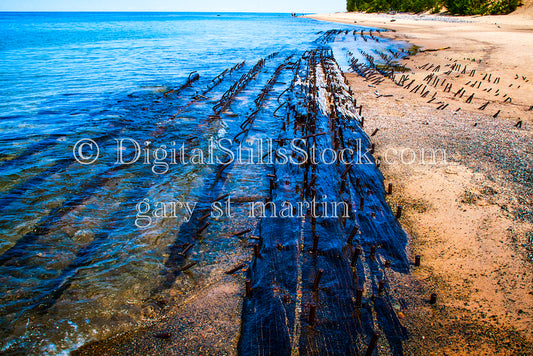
x=51 y=291
x=78 y=196
x=213 y=189
x=87 y=254
x=286 y=311
x=110 y=133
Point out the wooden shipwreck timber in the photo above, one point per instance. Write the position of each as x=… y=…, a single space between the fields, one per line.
x=317 y=285
x=321 y=236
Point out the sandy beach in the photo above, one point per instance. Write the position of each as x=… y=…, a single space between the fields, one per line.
x=469 y=215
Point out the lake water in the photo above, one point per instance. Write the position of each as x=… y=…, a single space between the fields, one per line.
x=74 y=265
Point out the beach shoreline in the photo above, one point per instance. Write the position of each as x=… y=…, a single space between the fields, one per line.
x=461 y=212
x=468 y=215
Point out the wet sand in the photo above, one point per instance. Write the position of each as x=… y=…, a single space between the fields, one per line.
x=206 y=324
x=470 y=215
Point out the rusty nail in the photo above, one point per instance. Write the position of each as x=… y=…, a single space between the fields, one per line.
x=163 y=335
x=236 y=268
x=203 y=217
x=381 y=286
x=186 y=249
x=417 y=260
x=248 y=286
x=187 y=266
x=315 y=244
x=399 y=212
x=372 y=344
x=433 y=299
x=355 y=256
x=203 y=228
x=317 y=279
x=242 y=232
x=390 y=188
x=312 y=314
x=358 y=297
x=348 y=167
x=222 y=197
x=352 y=233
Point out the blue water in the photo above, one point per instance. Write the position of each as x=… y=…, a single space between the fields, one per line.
x=74 y=267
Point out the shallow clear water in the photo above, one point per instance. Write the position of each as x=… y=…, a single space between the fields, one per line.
x=74 y=266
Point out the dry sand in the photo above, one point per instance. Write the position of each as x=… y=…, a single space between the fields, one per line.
x=470 y=216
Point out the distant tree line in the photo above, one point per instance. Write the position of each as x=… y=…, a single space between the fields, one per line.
x=457 y=7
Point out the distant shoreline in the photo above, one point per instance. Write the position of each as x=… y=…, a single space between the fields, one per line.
x=148 y=12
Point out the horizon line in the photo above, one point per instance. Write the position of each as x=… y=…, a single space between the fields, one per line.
x=158 y=11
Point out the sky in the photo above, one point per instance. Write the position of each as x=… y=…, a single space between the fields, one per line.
x=307 y=6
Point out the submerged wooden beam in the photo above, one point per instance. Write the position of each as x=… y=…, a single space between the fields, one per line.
x=292 y=294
